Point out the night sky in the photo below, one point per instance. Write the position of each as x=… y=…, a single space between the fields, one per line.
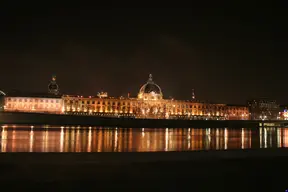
x=227 y=55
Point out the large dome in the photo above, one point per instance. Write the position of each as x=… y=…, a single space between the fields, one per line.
x=150 y=90
x=2 y=93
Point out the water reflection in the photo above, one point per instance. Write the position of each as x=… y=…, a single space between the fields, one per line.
x=3 y=140
x=31 y=140
x=92 y=139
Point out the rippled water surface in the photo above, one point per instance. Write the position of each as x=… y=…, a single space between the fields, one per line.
x=98 y=139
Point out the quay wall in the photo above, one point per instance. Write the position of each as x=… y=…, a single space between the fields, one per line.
x=57 y=119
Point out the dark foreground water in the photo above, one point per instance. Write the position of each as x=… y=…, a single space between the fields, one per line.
x=98 y=139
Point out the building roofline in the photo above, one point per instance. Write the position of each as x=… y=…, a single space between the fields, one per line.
x=236 y=105
x=36 y=95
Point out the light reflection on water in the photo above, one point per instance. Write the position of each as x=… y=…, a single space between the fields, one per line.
x=93 y=139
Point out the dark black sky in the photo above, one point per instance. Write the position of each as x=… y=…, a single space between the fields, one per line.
x=225 y=54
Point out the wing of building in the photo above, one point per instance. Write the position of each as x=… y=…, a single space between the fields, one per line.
x=149 y=103
x=33 y=102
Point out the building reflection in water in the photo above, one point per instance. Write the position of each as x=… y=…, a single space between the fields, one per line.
x=166 y=139
x=273 y=137
x=3 y=139
x=62 y=140
x=98 y=139
x=31 y=140
x=285 y=137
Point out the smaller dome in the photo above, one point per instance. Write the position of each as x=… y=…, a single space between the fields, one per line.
x=53 y=87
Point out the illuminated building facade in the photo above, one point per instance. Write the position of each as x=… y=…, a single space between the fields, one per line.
x=236 y=112
x=49 y=102
x=283 y=114
x=33 y=103
x=149 y=103
x=263 y=109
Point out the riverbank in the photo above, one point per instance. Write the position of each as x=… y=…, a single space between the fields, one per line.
x=57 y=119
x=235 y=170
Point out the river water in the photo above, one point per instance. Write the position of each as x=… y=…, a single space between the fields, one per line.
x=111 y=139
